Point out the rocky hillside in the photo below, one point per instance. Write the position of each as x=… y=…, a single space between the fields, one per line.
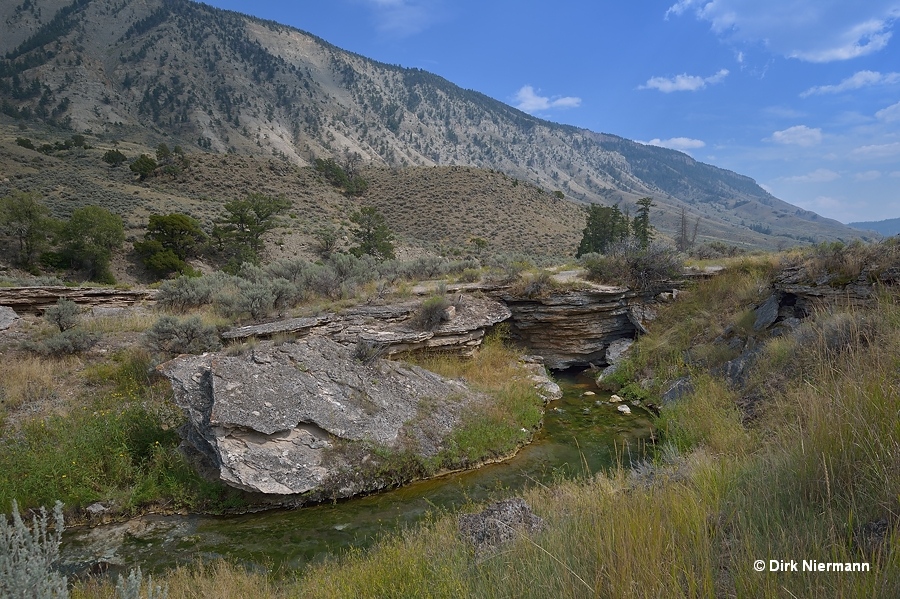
x=175 y=71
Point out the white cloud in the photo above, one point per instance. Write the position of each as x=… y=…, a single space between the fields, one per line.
x=889 y=114
x=868 y=176
x=877 y=150
x=822 y=175
x=810 y=30
x=895 y=174
x=856 y=81
x=681 y=144
x=801 y=135
x=684 y=83
x=403 y=18
x=528 y=100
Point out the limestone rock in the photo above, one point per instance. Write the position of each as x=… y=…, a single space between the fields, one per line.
x=545 y=386
x=624 y=409
x=34 y=300
x=270 y=329
x=389 y=328
x=8 y=316
x=678 y=389
x=767 y=313
x=301 y=417
x=574 y=327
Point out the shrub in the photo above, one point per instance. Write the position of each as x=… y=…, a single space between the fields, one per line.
x=629 y=265
x=470 y=275
x=324 y=280
x=27 y=556
x=535 y=285
x=367 y=350
x=295 y=271
x=129 y=587
x=255 y=298
x=188 y=336
x=114 y=157
x=71 y=341
x=184 y=293
x=63 y=315
x=431 y=313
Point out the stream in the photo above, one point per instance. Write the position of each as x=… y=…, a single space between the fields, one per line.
x=581 y=435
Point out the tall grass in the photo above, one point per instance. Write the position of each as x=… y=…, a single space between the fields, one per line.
x=120 y=446
x=29 y=379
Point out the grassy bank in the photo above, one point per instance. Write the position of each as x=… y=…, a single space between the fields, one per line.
x=116 y=444
x=800 y=461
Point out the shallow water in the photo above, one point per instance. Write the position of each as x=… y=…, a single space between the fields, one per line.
x=581 y=435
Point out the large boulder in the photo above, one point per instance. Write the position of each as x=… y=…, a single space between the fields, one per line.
x=308 y=417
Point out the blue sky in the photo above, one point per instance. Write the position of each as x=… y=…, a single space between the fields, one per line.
x=801 y=95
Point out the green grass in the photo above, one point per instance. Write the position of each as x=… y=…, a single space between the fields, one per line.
x=119 y=446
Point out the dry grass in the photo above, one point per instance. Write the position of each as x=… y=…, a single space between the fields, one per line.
x=494 y=364
x=38 y=382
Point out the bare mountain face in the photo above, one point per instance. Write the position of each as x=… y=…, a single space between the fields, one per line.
x=148 y=71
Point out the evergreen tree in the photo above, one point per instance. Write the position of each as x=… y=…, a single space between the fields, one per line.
x=247 y=220
x=643 y=230
x=114 y=157
x=605 y=225
x=143 y=166
x=373 y=234
x=169 y=241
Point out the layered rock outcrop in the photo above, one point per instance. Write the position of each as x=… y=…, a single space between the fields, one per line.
x=307 y=417
x=34 y=300
x=389 y=330
x=575 y=327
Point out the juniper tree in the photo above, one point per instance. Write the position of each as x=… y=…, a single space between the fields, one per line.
x=373 y=234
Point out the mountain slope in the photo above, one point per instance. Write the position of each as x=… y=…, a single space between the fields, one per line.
x=149 y=71
x=887 y=227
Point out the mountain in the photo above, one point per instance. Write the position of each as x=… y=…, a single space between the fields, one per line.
x=887 y=227
x=180 y=72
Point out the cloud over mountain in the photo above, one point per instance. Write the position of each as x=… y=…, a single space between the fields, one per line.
x=528 y=100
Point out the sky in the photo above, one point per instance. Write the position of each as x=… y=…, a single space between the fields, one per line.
x=801 y=95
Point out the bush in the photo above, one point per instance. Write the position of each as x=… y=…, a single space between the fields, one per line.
x=188 y=336
x=70 y=341
x=63 y=315
x=536 y=285
x=27 y=556
x=184 y=293
x=114 y=157
x=629 y=265
x=129 y=587
x=431 y=313
x=255 y=298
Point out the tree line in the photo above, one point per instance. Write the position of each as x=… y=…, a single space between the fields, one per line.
x=85 y=242
x=609 y=225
